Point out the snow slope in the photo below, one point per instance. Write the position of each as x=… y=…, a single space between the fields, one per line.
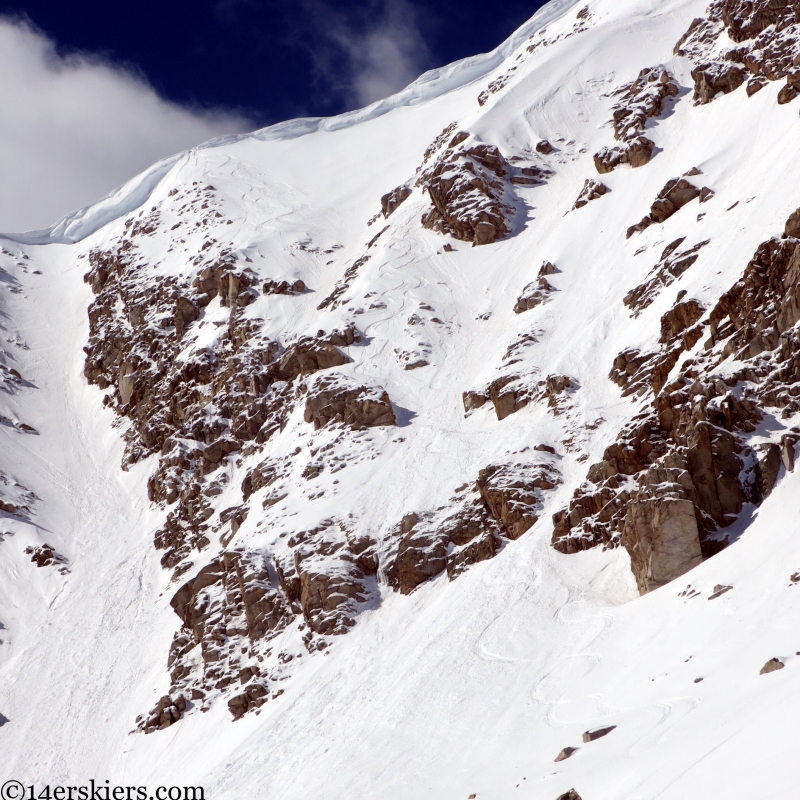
x=465 y=686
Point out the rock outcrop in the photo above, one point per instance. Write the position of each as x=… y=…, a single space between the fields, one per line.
x=766 y=35
x=637 y=102
x=681 y=472
x=676 y=193
x=46 y=556
x=592 y=190
x=504 y=503
x=334 y=398
x=534 y=294
x=773 y=665
x=167 y=711
x=674 y=261
x=468 y=191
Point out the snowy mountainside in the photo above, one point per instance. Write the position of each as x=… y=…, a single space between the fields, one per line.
x=389 y=455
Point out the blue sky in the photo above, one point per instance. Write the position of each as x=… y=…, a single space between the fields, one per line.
x=274 y=59
x=95 y=91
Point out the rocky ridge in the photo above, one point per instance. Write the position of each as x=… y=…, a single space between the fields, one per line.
x=683 y=469
x=740 y=41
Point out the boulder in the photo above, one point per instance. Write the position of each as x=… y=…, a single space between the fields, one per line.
x=566 y=753
x=473 y=400
x=485 y=233
x=773 y=665
x=599 y=733
x=640 y=151
x=662 y=539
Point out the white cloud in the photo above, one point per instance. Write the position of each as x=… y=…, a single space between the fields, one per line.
x=384 y=53
x=74 y=128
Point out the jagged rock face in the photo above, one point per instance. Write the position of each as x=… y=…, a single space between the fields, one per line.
x=660 y=534
x=391 y=201
x=504 y=504
x=511 y=393
x=767 y=33
x=468 y=191
x=691 y=453
x=335 y=399
x=673 y=263
x=639 y=101
x=676 y=193
x=592 y=190
x=196 y=408
x=514 y=497
x=533 y=295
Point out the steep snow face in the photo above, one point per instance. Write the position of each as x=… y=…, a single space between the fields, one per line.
x=388 y=455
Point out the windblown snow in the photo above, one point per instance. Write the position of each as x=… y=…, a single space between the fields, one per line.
x=393 y=455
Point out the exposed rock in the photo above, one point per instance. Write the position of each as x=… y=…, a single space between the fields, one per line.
x=480 y=549
x=773 y=665
x=680 y=318
x=309 y=355
x=792 y=227
x=254 y=696
x=508 y=501
x=505 y=399
x=566 y=753
x=592 y=190
x=690 y=462
x=548 y=268
x=767 y=35
x=513 y=494
x=185 y=313
x=391 y=201
x=331 y=584
x=706 y=194
x=675 y=194
x=673 y=263
x=284 y=287
x=713 y=79
x=639 y=101
x=46 y=556
x=167 y=711
x=769 y=465
x=719 y=590
x=591 y=736
x=334 y=398
x=534 y=294
x=570 y=795
x=544 y=147
x=473 y=400
x=788 y=443
x=661 y=536
x=468 y=190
